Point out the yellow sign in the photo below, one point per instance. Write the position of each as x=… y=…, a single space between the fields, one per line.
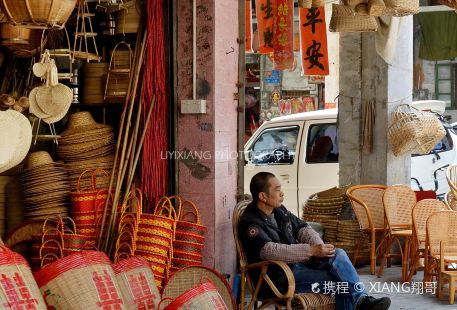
x=275 y=96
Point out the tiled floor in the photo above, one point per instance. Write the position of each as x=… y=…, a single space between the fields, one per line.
x=403 y=298
x=408 y=298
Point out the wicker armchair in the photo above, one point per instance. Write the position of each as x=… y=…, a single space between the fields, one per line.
x=450 y=200
x=398 y=201
x=442 y=226
x=448 y=252
x=366 y=201
x=421 y=211
x=451 y=176
x=289 y=300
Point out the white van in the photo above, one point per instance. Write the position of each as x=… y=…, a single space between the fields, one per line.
x=302 y=151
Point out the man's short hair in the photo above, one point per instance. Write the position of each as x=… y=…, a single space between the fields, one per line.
x=260 y=183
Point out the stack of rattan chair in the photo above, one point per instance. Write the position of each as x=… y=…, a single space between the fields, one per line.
x=45 y=187
x=86 y=145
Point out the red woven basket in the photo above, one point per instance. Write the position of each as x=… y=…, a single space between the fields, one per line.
x=194 y=225
x=18 y=289
x=83 y=280
x=89 y=200
x=137 y=284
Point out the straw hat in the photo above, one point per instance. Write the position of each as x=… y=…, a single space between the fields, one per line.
x=23 y=102
x=81 y=122
x=25 y=139
x=39 y=158
x=9 y=136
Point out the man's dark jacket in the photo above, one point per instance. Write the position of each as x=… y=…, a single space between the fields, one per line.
x=256 y=229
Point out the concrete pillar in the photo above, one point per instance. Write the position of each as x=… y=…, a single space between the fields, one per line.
x=207 y=174
x=364 y=76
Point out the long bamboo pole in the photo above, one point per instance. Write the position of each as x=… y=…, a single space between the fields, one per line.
x=125 y=136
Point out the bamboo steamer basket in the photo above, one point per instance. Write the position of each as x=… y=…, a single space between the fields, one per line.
x=128 y=20
x=12 y=35
x=44 y=13
x=94 y=82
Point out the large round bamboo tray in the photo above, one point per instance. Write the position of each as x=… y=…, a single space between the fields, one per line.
x=41 y=13
x=189 y=277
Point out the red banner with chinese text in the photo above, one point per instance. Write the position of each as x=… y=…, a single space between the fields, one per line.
x=265 y=12
x=284 y=35
x=248 y=24
x=313 y=40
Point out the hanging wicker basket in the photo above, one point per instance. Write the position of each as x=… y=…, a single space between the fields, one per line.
x=41 y=13
x=413 y=131
x=401 y=7
x=344 y=19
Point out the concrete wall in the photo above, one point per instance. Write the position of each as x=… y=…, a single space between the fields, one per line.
x=364 y=77
x=210 y=180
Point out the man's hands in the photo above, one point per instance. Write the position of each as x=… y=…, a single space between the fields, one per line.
x=322 y=250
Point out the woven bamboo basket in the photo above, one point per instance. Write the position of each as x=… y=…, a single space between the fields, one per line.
x=13 y=35
x=44 y=13
x=344 y=19
x=83 y=280
x=401 y=7
x=22 y=291
x=136 y=283
x=414 y=131
x=128 y=20
x=94 y=82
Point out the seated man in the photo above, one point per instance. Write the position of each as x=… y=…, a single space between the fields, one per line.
x=269 y=232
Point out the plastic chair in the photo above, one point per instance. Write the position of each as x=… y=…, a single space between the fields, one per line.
x=442 y=229
x=366 y=201
x=421 y=211
x=289 y=299
x=398 y=201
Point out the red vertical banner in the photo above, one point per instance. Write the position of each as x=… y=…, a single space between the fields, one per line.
x=284 y=35
x=265 y=12
x=313 y=41
x=248 y=26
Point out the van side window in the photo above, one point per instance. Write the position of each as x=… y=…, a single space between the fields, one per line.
x=322 y=146
x=275 y=146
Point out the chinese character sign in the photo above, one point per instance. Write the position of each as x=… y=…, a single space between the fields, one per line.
x=313 y=39
x=284 y=35
x=248 y=24
x=265 y=12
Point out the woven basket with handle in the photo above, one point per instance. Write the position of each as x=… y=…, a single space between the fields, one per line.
x=18 y=289
x=414 y=131
x=344 y=19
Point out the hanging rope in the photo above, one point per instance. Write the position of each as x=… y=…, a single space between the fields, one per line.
x=154 y=172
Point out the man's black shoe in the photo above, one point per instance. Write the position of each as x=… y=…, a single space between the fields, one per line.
x=371 y=303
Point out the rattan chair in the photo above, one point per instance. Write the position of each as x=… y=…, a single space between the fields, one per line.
x=450 y=200
x=289 y=300
x=442 y=226
x=448 y=252
x=398 y=201
x=451 y=177
x=421 y=211
x=366 y=201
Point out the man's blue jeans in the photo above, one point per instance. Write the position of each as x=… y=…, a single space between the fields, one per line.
x=336 y=275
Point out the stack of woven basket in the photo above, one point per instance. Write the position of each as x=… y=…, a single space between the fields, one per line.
x=45 y=187
x=86 y=145
x=324 y=208
x=348 y=235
